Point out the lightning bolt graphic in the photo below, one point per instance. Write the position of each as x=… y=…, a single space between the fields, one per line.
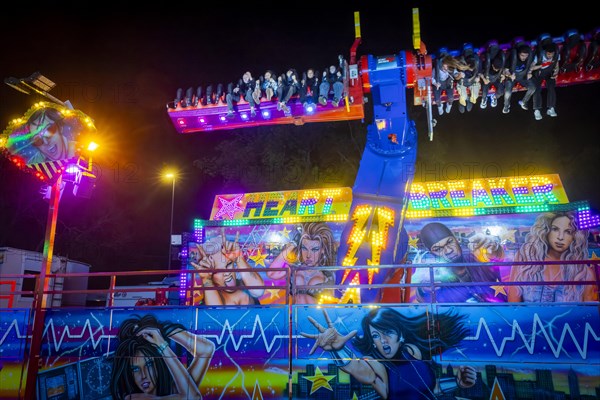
x=356 y=237
x=385 y=220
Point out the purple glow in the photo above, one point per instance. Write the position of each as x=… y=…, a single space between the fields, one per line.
x=202 y=120
x=586 y=220
x=438 y=195
x=542 y=189
x=199 y=234
x=222 y=118
x=416 y=196
x=266 y=114
x=72 y=169
x=520 y=190
x=244 y=116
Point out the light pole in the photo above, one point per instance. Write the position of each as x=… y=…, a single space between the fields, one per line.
x=171 y=176
x=42 y=85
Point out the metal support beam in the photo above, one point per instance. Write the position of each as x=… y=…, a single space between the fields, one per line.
x=41 y=290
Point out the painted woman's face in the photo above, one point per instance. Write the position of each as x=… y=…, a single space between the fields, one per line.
x=48 y=139
x=311 y=252
x=386 y=342
x=561 y=234
x=144 y=373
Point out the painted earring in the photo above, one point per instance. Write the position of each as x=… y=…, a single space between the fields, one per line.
x=401 y=338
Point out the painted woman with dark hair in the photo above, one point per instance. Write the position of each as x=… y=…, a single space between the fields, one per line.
x=397 y=352
x=145 y=367
x=553 y=237
x=314 y=247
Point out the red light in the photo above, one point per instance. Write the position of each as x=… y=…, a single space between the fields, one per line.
x=181 y=121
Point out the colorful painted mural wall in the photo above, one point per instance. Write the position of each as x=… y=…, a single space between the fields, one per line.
x=337 y=352
x=496 y=301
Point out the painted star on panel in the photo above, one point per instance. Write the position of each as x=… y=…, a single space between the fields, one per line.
x=229 y=207
x=509 y=235
x=285 y=233
x=498 y=289
x=258 y=258
x=273 y=294
x=412 y=242
x=319 y=380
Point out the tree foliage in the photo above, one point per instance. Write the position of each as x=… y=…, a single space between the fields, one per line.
x=287 y=157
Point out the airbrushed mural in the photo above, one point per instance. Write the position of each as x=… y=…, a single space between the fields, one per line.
x=273 y=250
x=498 y=241
x=407 y=351
x=267 y=313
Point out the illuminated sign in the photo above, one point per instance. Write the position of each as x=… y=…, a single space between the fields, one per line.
x=297 y=203
x=487 y=193
x=45 y=138
x=378 y=237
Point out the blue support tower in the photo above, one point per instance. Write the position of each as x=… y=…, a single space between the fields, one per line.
x=384 y=176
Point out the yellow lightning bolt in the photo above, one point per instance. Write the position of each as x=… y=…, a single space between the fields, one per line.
x=385 y=219
x=357 y=235
x=352 y=295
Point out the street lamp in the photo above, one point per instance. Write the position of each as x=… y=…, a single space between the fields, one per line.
x=172 y=176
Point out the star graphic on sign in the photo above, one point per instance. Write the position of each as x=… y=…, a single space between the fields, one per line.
x=498 y=289
x=258 y=258
x=412 y=242
x=229 y=207
x=285 y=233
x=319 y=380
x=273 y=293
x=509 y=235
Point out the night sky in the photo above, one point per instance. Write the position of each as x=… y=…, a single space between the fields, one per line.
x=121 y=66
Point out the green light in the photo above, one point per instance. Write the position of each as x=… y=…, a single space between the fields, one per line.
x=579 y=205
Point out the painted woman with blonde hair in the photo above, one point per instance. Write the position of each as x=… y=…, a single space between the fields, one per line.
x=553 y=237
x=314 y=247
